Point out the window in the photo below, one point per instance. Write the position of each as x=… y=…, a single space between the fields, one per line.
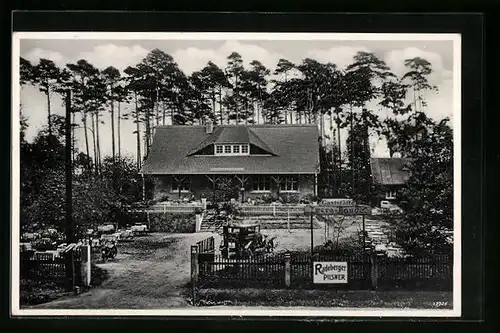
x=289 y=184
x=232 y=149
x=261 y=183
x=183 y=183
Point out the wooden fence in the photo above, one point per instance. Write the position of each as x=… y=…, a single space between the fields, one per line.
x=46 y=267
x=261 y=271
x=295 y=270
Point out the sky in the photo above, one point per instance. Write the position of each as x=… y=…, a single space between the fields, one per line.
x=192 y=55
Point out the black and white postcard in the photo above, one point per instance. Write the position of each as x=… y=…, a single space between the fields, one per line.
x=242 y=174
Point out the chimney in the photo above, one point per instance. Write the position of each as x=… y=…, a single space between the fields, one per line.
x=209 y=126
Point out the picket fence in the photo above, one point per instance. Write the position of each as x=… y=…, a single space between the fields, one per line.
x=295 y=270
x=172 y=209
x=272 y=210
x=45 y=267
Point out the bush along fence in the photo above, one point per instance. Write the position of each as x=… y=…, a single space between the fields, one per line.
x=45 y=267
x=300 y=270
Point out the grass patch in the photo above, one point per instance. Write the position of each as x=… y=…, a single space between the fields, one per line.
x=97 y=275
x=34 y=292
x=325 y=298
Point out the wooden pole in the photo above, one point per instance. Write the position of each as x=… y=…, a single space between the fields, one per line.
x=364 y=235
x=312 y=235
x=194 y=272
x=70 y=232
x=143 y=188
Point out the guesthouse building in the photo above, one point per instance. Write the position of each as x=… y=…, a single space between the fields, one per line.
x=187 y=161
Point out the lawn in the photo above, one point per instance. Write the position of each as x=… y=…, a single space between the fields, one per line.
x=325 y=298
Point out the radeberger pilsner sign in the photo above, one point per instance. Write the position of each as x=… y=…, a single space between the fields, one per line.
x=329 y=272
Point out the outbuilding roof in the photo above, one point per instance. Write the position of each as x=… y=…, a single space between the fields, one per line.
x=389 y=171
x=292 y=149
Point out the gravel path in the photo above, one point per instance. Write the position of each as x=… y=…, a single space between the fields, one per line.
x=149 y=273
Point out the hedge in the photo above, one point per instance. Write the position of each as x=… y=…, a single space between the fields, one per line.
x=172 y=223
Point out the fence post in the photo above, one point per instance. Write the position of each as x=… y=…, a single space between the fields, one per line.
x=164 y=208
x=194 y=271
x=198 y=222
x=288 y=218
x=274 y=210
x=287 y=269
x=85 y=267
x=373 y=271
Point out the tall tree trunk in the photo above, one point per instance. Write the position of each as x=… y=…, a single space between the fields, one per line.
x=148 y=131
x=113 y=152
x=163 y=112
x=96 y=162
x=353 y=164
x=157 y=108
x=84 y=121
x=340 y=154
x=236 y=100
x=138 y=133
x=119 y=133
x=220 y=106
x=49 y=115
x=73 y=122
x=214 y=112
x=98 y=143
x=172 y=114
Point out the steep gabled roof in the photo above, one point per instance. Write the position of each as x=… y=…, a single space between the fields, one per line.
x=389 y=171
x=292 y=148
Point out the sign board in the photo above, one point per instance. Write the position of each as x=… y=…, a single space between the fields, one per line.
x=345 y=210
x=329 y=272
x=337 y=202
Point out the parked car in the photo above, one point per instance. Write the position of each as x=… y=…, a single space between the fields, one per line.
x=139 y=228
x=107 y=228
x=27 y=246
x=44 y=244
x=30 y=236
x=126 y=234
x=390 y=207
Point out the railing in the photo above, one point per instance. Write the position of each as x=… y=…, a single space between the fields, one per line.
x=207 y=245
x=171 y=209
x=272 y=210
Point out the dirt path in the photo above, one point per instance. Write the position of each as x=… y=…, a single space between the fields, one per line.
x=151 y=272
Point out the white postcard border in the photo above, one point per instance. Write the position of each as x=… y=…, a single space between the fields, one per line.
x=237 y=311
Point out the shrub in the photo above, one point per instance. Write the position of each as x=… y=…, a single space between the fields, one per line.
x=163 y=198
x=290 y=198
x=348 y=247
x=309 y=198
x=269 y=198
x=172 y=223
